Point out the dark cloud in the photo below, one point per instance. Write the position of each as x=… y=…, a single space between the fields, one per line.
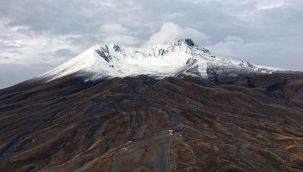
x=51 y=31
x=63 y=52
x=11 y=74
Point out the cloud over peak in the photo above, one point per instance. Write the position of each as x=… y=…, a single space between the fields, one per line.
x=170 y=32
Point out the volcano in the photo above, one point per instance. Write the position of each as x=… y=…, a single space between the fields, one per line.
x=169 y=107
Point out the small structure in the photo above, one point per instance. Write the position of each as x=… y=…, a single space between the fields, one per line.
x=171 y=132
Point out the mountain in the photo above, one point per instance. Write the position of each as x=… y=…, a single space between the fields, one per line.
x=181 y=58
x=130 y=109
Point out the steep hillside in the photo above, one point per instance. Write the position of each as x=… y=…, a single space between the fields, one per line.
x=252 y=123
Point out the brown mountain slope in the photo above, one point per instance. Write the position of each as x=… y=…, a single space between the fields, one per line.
x=248 y=124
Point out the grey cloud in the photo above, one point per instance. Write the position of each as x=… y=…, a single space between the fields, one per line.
x=63 y=53
x=11 y=74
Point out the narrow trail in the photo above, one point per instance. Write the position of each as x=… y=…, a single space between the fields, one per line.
x=172 y=159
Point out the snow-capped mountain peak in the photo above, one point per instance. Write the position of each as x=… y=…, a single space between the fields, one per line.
x=179 y=58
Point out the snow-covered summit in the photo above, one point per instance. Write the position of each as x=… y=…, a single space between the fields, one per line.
x=180 y=58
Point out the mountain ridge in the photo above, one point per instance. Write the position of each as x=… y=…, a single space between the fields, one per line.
x=179 y=58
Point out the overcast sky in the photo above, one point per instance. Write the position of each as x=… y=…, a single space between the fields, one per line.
x=37 y=35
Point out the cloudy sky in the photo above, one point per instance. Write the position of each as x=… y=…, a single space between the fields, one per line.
x=37 y=35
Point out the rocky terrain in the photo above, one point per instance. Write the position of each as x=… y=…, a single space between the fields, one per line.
x=251 y=123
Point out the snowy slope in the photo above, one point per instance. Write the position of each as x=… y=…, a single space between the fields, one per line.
x=179 y=58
